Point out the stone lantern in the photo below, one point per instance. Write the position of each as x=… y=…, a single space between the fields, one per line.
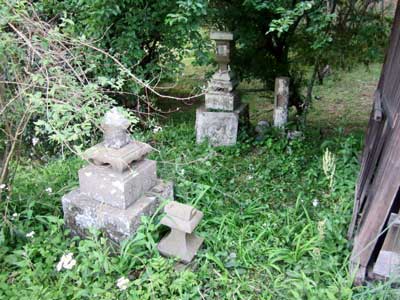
x=118 y=187
x=218 y=121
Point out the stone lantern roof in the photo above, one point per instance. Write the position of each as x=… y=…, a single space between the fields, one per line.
x=118 y=149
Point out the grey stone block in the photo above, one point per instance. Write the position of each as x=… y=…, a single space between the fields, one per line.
x=220 y=128
x=82 y=212
x=222 y=100
x=221 y=35
x=181 y=245
x=118 y=189
x=180 y=242
x=223 y=81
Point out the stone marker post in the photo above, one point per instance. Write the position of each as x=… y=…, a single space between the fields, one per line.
x=218 y=121
x=180 y=242
x=281 y=101
x=118 y=187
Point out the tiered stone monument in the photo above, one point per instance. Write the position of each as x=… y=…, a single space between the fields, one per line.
x=118 y=187
x=218 y=121
x=181 y=242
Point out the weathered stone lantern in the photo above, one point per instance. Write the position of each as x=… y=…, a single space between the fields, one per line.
x=218 y=121
x=118 y=187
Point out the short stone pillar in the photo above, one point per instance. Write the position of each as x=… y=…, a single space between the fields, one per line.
x=218 y=121
x=118 y=187
x=180 y=242
x=281 y=101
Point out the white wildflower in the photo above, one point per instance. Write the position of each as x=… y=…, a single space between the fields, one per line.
x=30 y=234
x=249 y=177
x=49 y=190
x=14 y=215
x=2 y=186
x=122 y=283
x=35 y=140
x=66 y=262
x=157 y=129
x=315 y=202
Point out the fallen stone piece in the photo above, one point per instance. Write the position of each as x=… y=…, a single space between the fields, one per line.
x=295 y=135
x=180 y=242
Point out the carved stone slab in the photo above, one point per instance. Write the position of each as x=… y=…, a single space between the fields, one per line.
x=118 y=189
x=220 y=128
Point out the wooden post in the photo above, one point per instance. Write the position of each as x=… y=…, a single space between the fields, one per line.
x=281 y=102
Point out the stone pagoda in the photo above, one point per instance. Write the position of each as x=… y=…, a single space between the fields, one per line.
x=118 y=187
x=218 y=121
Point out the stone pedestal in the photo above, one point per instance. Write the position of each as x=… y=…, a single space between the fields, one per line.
x=220 y=128
x=117 y=188
x=82 y=212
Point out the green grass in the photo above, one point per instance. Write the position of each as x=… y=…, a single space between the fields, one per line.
x=264 y=238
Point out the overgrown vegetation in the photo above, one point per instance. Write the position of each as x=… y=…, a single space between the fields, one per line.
x=276 y=210
x=274 y=225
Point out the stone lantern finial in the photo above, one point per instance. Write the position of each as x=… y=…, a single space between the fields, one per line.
x=115 y=127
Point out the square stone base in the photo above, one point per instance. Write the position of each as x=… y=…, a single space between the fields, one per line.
x=220 y=128
x=219 y=100
x=82 y=212
x=103 y=184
